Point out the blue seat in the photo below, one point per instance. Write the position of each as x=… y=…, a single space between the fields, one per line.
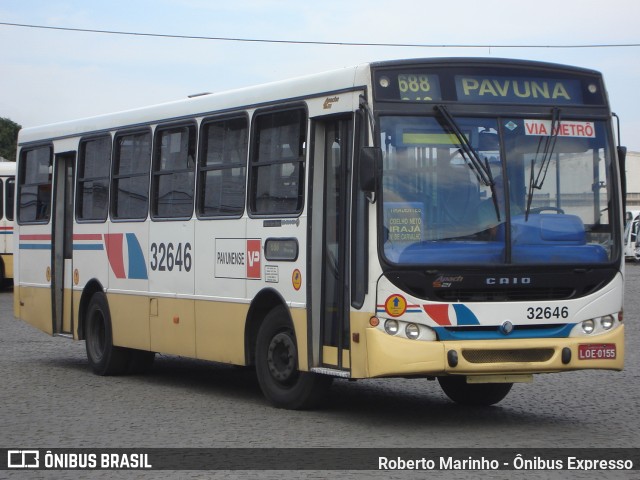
x=552 y=238
x=542 y=238
x=453 y=253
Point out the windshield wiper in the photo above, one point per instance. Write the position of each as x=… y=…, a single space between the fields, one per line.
x=536 y=181
x=481 y=170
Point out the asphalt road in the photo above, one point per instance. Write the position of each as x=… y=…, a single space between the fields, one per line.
x=50 y=399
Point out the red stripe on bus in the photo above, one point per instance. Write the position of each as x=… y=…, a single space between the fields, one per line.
x=35 y=237
x=87 y=236
x=113 y=243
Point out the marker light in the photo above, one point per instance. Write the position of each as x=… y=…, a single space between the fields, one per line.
x=607 y=322
x=384 y=82
x=391 y=327
x=412 y=331
x=588 y=326
x=592 y=88
x=374 y=321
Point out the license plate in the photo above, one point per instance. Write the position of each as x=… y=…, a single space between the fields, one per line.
x=597 y=351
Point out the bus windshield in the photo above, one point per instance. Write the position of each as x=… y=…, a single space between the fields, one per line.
x=462 y=190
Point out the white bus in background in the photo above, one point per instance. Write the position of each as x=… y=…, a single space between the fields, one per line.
x=631 y=230
x=7 y=191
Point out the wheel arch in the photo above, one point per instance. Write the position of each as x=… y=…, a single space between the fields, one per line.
x=89 y=290
x=265 y=301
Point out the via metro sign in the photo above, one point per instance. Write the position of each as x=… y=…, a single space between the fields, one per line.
x=544 y=128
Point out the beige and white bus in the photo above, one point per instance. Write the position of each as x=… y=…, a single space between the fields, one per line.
x=450 y=219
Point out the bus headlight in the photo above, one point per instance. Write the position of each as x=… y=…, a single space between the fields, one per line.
x=391 y=327
x=607 y=322
x=412 y=331
x=588 y=326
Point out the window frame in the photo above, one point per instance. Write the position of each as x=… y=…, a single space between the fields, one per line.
x=202 y=168
x=157 y=172
x=81 y=179
x=115 y=177
x=21 y=184
x=9 y=199
x=254 y=164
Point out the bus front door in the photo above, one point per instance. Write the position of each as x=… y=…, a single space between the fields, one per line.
x=330 y=240
x=62 y=244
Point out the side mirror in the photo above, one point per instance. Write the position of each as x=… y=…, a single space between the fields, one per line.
x=622 y=154
x=622 y=166
x=369 y=168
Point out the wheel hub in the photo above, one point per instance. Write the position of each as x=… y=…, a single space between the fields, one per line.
x=281 y=357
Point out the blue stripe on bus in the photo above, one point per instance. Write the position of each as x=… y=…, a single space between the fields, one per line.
x=137 y=263
x=83 y=246
x=35 y=246
x=494 y=333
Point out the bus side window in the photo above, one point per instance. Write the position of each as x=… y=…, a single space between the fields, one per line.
x=93 y=179
x=10 y=188
x=34 y=193
x=222 y=167
x=277 y=163
x=130 y=186
x=173 y=183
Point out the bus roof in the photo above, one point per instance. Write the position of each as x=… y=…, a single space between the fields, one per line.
x=7 y=168
x=317 y=85
x=486 y=62
x=249 y=97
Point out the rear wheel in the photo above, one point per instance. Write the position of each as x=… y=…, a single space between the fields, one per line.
x=277 y=366
x=104 y=358
x=477 y=394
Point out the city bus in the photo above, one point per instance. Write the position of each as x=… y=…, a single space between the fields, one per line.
x=631 y=230
x=7 y=193
x=457 y=220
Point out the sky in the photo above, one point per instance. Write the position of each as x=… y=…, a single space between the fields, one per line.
x=47 y=76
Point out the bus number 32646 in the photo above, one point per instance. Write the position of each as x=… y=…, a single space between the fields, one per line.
x=167 y=257
x=540 y=313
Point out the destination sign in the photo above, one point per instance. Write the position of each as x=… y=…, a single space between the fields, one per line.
x=282 y=249
x=491 y=89
x=404 y=221
x=485 y=85
x=418 y=87
x=562 y=129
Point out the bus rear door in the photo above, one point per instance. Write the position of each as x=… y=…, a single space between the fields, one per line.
x=62 y=244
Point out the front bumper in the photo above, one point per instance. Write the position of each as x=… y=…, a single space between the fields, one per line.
x=394 y=356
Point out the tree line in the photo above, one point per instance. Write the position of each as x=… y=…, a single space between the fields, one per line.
x=8 y=138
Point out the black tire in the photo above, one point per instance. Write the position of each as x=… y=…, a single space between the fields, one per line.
x=277 y=366
x=475 y=394
x=104 y=358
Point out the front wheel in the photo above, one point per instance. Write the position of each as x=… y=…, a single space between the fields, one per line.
x=475 y=394
x=104 y=358
x=277 y=366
